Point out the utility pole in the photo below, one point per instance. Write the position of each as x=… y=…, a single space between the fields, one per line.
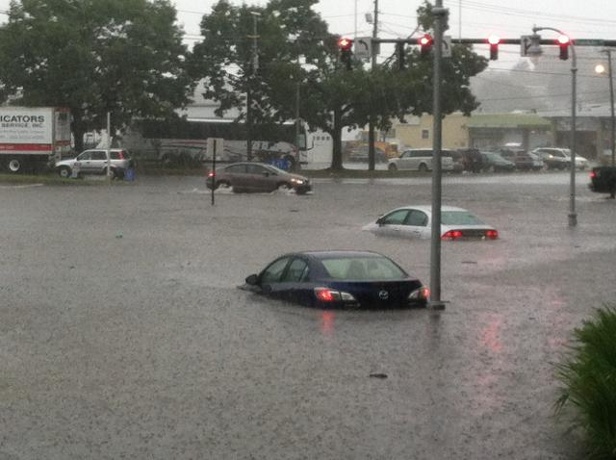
x=297 y=109
x=253 y=71
x=375 y=31
x=612 y=117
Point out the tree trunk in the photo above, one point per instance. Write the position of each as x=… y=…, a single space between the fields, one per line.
x=78 y=131
x=337 y=140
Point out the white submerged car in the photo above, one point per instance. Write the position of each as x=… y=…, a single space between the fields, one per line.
x=416 y=222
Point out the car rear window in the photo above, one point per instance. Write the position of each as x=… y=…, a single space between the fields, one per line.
x=357 y=268
x=459 y=218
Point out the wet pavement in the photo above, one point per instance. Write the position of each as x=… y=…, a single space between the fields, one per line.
x=123 y=334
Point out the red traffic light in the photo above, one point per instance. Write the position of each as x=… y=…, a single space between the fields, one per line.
x=425 y=44
x=426 y=40
x=564 y=42
x=345 y=44
x=493 y=40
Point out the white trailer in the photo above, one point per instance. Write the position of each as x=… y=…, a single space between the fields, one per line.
x=32 y=137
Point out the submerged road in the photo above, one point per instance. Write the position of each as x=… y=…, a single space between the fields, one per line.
x=123 y=334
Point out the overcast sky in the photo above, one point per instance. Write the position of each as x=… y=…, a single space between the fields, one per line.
x=467 y=19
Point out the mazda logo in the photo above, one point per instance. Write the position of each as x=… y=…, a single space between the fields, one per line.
x=383 y=295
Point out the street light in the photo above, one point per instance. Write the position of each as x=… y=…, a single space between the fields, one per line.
x=601 y=69
x=572 y=217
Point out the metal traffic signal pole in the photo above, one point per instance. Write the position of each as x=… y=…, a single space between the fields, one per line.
x=371 y=137
x=572 y=216
x=440 y=16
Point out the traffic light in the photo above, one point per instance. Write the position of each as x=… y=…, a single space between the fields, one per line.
x=400 y=55
x=493 y=40
x=345 y=45
x=563 y=43
x=425 y=44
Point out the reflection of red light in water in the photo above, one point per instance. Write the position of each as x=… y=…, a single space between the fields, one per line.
x=327 y=322
x=491 y=335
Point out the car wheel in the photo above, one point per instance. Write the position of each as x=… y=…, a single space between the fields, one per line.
x=392 y=167
x=65 y=172
x=223 y=185
x=284 y=187
x=423 y=168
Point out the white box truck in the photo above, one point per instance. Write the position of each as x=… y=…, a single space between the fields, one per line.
x=33 y=137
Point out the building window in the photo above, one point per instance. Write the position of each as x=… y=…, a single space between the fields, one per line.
x=425 y=134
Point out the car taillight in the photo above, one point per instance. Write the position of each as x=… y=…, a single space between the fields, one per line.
x=324 y=294
x=423 y=293
x=492 y=234
x=452 y=235
x=211 y=174
x=593 y=174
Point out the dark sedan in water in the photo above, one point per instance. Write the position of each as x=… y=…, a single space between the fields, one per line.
x=335 y=279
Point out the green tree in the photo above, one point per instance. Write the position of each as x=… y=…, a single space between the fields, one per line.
x=261 y=70
x=123 y=57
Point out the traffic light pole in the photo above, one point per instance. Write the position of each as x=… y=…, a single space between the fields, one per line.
x=572 y=216
x=440 y=16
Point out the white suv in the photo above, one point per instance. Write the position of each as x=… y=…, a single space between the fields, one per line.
x=420 y=160
x=94 y=161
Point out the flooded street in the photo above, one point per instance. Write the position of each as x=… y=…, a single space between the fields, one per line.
x=123 y=333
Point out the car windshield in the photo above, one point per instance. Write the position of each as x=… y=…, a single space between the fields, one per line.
x=459 y=218
x=363 y=269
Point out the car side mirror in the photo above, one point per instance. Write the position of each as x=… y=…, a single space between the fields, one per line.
x=379 y=221
x=252 y=280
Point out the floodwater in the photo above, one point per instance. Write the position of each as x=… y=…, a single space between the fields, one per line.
x=123 y=333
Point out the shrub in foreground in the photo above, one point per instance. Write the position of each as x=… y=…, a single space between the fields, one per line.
x=588 y=375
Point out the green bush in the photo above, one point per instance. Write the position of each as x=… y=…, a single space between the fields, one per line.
x=588 y=373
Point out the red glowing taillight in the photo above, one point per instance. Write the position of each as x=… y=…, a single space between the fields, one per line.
x=326 y=294
x=452 y=235
x=593 y=174
x=211 y=175
x=492 y=234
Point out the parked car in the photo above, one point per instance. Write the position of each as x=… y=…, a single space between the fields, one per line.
x=493 y=162
x=334 y=279
x=554 y=158
x=256 y=177
x=416 y=222
x=560 y=158
x=459 y=160
x=420 y=160
x=471 y=160
x=603 y=180
x=522 y=160
x=538 y=163
x=360 y=154
x=96 y=161
x=581 y=162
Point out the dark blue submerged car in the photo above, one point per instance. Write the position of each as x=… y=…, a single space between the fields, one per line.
x=337 y=279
